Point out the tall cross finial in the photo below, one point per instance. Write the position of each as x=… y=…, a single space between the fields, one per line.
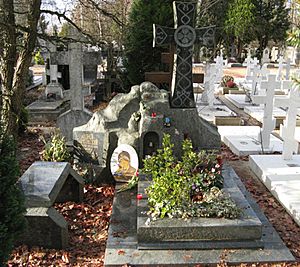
x=184 y=35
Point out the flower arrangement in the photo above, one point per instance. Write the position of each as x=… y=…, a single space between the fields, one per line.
x=228 y=81
x=190 y=187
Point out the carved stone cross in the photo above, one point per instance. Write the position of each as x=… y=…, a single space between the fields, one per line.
x=267 y=100
x=184 y=35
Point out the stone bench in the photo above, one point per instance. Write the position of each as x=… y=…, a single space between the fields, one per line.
x=43 y=184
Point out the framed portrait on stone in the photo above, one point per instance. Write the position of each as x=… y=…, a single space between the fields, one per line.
x=124 y=163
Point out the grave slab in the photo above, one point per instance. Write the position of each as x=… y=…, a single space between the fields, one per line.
x=238 y=100
x=243 y=140
x=204 y=233
x=217 y=111
x=257 y=112
x=41 y=111
x=237 y=130
x=122 y=238
x=263 y=165
x=242 y=145
x=282 y=178
x=45 y=183
x=46 y=228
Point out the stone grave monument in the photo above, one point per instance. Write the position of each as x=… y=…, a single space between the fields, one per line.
x=280 y=173
x=143 y=115
x=250 y=86
x=43 y=184
x=259 y=140
x=181 y=242
x=52 y=103
x=54 y=89
x=209 y=107
x=280 y=68
x=184 y=35
x=266 y=56
x=77 y=115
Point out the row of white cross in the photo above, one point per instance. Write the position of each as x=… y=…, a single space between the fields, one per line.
x=290 y=102
x=267 y=83
x=254 y=69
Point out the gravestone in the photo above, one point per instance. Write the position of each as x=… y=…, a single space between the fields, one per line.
x=43 y=184
x=77 y=115
x=266 y=56
x=287 y=131
x=247 y=62
x=54 y=90
x=280 y=68
x=274 y=54
x=139 y=119
x=220 y=62
x=267 y=100
x=185 y=36
x=129 y=118
x=288 y=68
x=208 y=96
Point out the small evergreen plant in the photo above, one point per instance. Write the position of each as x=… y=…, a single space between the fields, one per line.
x=12 y=209
x=191 y=187
x=55 y=149
x=38 y=59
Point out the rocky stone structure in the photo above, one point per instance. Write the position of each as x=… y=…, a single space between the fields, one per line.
x=140 y=119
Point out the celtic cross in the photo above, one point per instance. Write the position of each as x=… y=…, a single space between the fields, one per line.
x=184 y=35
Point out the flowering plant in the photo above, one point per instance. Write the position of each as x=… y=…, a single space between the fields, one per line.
x=188 y=187
x=228 y=81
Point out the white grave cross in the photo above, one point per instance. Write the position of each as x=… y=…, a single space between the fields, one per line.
x=209 y=84
x=265 y=57
x=267 y=100
x=248 y=64
x=287 y=131
x=280 y=68
x=288 y=68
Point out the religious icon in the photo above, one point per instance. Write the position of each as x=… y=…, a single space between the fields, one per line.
x=124 y=163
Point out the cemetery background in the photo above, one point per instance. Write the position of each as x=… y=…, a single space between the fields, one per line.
x=89 y=220
x=65 y=256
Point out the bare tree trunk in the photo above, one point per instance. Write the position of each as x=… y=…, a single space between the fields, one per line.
x=14 y=71
x=24 y=60
x=7 y=61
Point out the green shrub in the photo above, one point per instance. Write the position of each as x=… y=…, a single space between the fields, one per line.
x=38 y=59
x=12 y=221
x=55 y=149
x=187 y=188
x=140 y=55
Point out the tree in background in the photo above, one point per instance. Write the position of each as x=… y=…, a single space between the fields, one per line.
x=243 y=21
x=239 y=19
x=140 y=56
x=104 y=20
x=271 y=22
x=18 y=39
x=214 y=13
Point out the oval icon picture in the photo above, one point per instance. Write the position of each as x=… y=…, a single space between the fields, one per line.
x=124 y=163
